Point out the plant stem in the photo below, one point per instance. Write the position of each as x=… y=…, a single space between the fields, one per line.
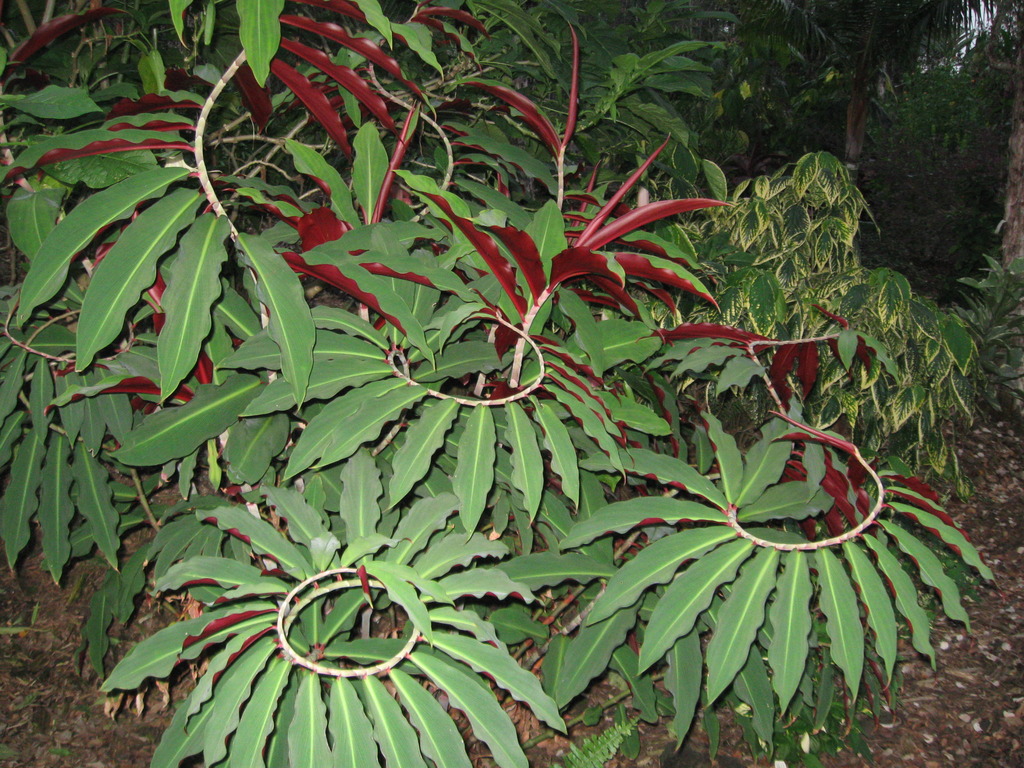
x=141 y=493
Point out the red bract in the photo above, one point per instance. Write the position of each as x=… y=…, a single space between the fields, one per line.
x=255 y=97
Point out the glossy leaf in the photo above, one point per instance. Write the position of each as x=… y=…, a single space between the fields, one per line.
x=128 y=269
x=393 y=733
x=49 y=268
x=623 y=515
x=474 y=472
x=490 y=722
x=260 y=535
x=563 y=453
x=730 y=463
x=527 y=465
x=260 y=32
x=656 y=563
x=291 y=324
x=20 y=501
x=672 y=471
x=422 y=440
x=439 y=738
x=546 y=569
x=689 y=596
x=503 y=669
x=56 y=508
x=31 y=216
x=153 y=657
x=307 y=733
x=369 y=168
x=257 y=719
x=842 y=617
x=176 y=431
x=393 y=577
x=252 y=444
x=790 y=618
x=350 y=728
x=312 y=163
x=683 y=679
x=95 y=502
x=193 y=287
x=588 y=654
x=877 y=604
x=361 y=492
x=739 y=619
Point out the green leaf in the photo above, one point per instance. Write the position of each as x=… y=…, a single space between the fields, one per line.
x=260 y=33
x=257 y=720
x=484 y=581
x=439 y=738
x=791 y=627
x=393 y=733
x=474 y=472
x=563 y=453
x=423 y=439
x=56 y=508
x=260 y=535
x=305 y=524
x=369 y=168
x=791 y=500
x=350 y=728
x=177 y=8
x=95 y=502
x=527 y=465
x=182 y=738
x=49 y=268
x=363 y=411
x=503 y=669
x=360 y=495
x=753 y=688
x=491 y=724
x=307 y=733
x=588 y=655
x=153 y=657
x=656 y=563
x=291 y=324
x=842 y=618
x=456 y=550
x=252 y=444
x=176 y=431
x=931 y=571
x=225 y=571
x=193 y=287
x=877 y=605
x=688 y=596
x=395 y=579
x=31 y=216
x=547 y=229
x=20 y=500
x=418 y=524
x=739 y=619
x=683 y=679
x=417 y=37
x=54 y=102
x=953 y=537
x=670 y=470
x=764 y=463
x=546 y=569
x=716 y=180
x=621 y=516
x=128 y=269
x=730 y=463
x=312 y=163
x=233 y=690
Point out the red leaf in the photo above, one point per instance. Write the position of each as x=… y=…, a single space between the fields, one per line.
x=339 y=6
x=384 y=196
x=107 y=146
x=51 y=30
x=452 y=13
x=614 y=289
x=315 y=101
x=255 y=97
x=817 y=435
x=333 y=276
x=488 y=250
x=525 y=253
x=140 y=385
x=540 y=124
x=204 y=368
x=638 y=265
x=640 y=217
x=807 y=367
x=366 y=48
x=579 y=262
x=177 y=79
x=841 y=320
x=709 y=331
x=574 y=91
x=226 y=621
x=781 y=365
x=363 y=581
x=151 y=102
x=347 y=79
x=320 y=226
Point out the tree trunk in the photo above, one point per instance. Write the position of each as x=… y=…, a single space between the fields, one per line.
x=857 y=117
x=1013 y=217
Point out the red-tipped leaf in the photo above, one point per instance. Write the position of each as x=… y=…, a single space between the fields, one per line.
x=540 y=124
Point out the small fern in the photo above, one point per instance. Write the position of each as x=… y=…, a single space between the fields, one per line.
x=599 y=748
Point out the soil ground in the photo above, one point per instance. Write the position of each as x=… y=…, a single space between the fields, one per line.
x=970 y=712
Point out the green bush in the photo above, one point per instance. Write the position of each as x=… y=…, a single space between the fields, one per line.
x=398 y=400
